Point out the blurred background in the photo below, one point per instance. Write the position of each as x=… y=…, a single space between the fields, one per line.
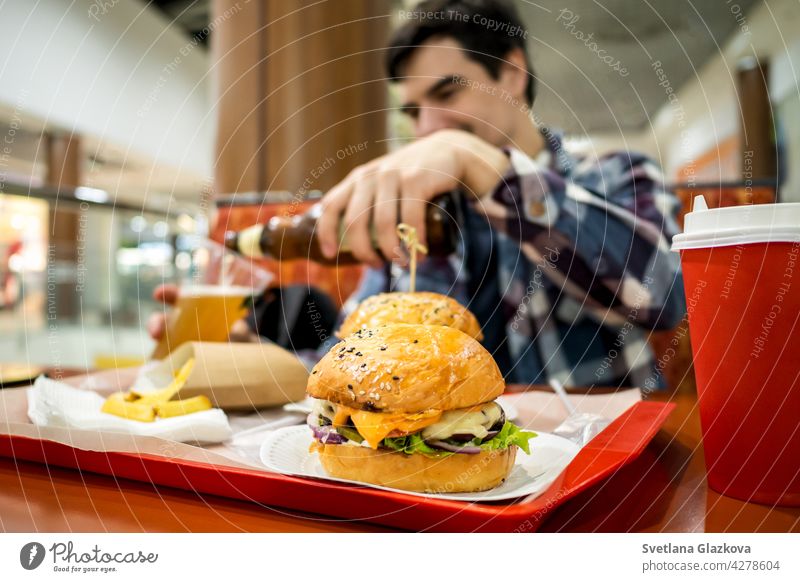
x=128 y=127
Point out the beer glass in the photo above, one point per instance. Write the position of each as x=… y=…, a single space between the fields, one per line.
x=216 y=290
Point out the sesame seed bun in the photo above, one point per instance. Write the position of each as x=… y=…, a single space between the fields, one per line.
x=402 y=368
x=420 y=307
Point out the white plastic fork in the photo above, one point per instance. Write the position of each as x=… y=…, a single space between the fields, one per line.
x=579 y=427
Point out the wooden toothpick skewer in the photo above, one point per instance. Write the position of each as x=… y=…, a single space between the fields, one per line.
x=408 y=235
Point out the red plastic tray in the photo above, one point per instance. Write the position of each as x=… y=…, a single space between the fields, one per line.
x=619 y=444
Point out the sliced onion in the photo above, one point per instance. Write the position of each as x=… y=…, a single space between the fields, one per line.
x=327 y=436
x=314 y=419
x=463 y=437
x=467 y=437
x=445 y=446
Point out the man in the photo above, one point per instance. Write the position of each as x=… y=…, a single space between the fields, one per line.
x=565 y=262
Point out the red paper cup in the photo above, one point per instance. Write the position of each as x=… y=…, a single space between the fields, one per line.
x=741 y=271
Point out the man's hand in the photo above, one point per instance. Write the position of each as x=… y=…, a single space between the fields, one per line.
x=157 y=323
x=397 y=188
x=168 y=294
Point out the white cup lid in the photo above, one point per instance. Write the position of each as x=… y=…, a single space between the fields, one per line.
x=734 y=225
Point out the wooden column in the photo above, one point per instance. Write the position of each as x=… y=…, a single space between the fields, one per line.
x=301 y=101
x=326 y=96
x=759 y=154
x=64 y=165
x=237 y=47
x=300 y=90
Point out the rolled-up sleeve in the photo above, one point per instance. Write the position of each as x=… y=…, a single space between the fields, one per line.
x=602 y=235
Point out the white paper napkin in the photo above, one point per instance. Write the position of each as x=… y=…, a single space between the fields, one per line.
x=52 y=403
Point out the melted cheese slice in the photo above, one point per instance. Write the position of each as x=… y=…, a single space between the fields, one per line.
x=475 y=421
x=376 y=426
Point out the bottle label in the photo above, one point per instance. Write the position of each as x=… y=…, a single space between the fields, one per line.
x=250 y=242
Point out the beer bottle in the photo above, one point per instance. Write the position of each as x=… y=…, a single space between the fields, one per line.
x=295 y=237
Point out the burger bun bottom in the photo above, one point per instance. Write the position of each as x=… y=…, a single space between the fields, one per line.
x=457 y=473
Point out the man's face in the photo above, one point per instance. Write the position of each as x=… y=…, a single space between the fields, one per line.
x=442 y=89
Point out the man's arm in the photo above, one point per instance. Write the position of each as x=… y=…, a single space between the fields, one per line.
x=614 y=259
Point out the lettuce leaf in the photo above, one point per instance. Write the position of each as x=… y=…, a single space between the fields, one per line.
x=510 y=435
x=411 y=444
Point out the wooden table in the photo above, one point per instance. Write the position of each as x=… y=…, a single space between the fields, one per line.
x=663 y=491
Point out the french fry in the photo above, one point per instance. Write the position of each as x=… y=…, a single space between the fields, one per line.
x=134 y=394
x=117 y=405
x=144 y=407
x=170 y=391
x=181 y=407
x=155 y=396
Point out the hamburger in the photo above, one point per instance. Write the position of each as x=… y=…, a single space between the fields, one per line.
x=412 y=407
x=420 y=307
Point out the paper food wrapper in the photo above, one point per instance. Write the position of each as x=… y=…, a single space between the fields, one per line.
x=234 y=376
x=57 y=404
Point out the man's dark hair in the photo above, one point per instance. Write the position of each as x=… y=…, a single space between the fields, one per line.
x=487 y=30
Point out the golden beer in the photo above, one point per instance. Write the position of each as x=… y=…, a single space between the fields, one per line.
x=203 y=313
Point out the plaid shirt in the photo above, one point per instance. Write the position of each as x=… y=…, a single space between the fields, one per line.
x=570 y=272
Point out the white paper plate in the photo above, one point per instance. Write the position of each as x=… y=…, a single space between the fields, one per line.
x=286 y=451
x=305 y=405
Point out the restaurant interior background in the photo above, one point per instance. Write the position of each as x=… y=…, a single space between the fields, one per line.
x=124 y=122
